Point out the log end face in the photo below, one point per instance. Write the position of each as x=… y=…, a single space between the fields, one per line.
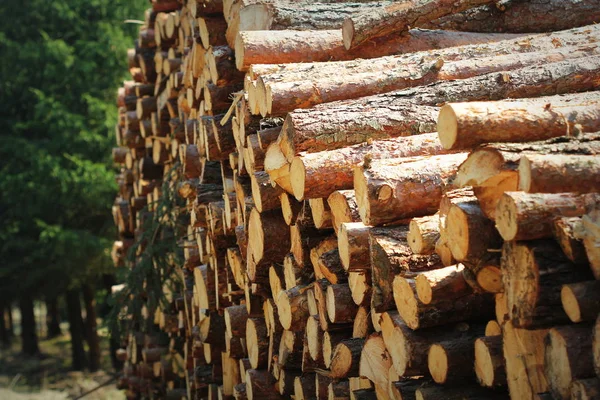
x=406 y=302
x=362 y=194
x=348 y=33
x=341 y=360
x=424 y=289
x=447 y=127
x=570 y=304
x=484 y=367
x=239 y=52
x=457 y=228
x=343 y=245
x=557 y=365
x=525 y=174
x=298 y=178
x=506 y=218
x=437 y=361
x=284 y=309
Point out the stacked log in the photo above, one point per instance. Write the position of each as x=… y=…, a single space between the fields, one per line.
x=427 y=232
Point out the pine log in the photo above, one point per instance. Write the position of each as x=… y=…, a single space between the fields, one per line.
x=375 y=360
x=304 y=387
x=310 y=171
x=293 y=308
x=340 y=307
x=489 y=361
x=282 y=47
x=568 y=356
x=581 y=301
x=235 y=320
x=447 y=360
x=212 y=329
x=386 y=193
x=342 y=204
x=290 y=350
x=339 y=390
x=418 y=315
x=263 y=230
x=360 y=286
x=330 y=340
x=585 y=389
x=330 y=267
x=512 y=16
x=460 y=124
x=559 y=173
x=397 y=18
x=533 y=273
x=442 y=283
x=567 y=234
x=423 y=233
x=362 y=325
x=265 y=196
x=553 y=78
x=321 y=213
x=346 y=356
x=261 y=385
x=439 y=392
x=591 y=240
x=528 y=216
x=353 y=245
x=257 y=342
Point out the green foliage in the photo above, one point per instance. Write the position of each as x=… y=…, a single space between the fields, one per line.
x=61 y=61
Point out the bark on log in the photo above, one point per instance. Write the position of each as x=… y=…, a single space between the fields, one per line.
x=386 y=193
x=423 y=233
x=398 y=18
x=585 y=389
x=533 y=273
x=568 y=356
x=567 y=234
x=353 y=245
x=559 y=173
x=490 y=367
x=581 y=301
x=345 y=360
x=460 y=124
x=591 y=240
x=263 y=230
x=447 y=360
x=342 y=204
x=340 y=307
x=441 y=284
x=261 y=385
x=321 y=213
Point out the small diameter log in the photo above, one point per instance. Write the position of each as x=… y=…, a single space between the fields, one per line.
x=581 y=301
x=292 y=306
x=465 y=125
x=585 y=389
x=533 y=274
x=340 y=307
x=567 y=234
x=343 y=208
x=528 y=216
x=423 y=233
x=260 y=384
x=375 y=360
x=321 y=213
x=452 y=361
x=387 y=191
x=524 y=355
x=489 y=361
x=304 y=386
x=442 y=284
x=257 y=342
x=418 y=315
x=290 y=208
x=397 y=18
x=353 y=245
x=559 y=173
x=318 y=174
x=568 y=357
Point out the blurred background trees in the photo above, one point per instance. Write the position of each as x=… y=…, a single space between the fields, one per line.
x=60 y=62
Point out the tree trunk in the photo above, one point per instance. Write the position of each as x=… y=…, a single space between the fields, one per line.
x=76 y=329
x=4 y=335
x=28 y=327
x=398 y=18
x=52 y=318
x=90 y=327
x=517 y=16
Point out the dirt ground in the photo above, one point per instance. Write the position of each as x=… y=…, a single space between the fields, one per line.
x=48 y=377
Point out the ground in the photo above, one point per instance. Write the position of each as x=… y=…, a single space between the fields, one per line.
x=49 y=377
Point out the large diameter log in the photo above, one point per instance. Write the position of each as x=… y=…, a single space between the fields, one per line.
x=282 y=47
x=418 y=315
x=548 y=16
x=568 y=356
x=387 y=191
x=461 y=125
x=559 y=173
x=489 y=361
x=383 y=21
x=533 y=273
x=581 y=301
x=528 y=216
x=442 y=283
x=320 y=174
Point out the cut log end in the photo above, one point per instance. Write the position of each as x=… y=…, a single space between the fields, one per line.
x=438 y=363
x=570 y=303
x=348 y=33
x=484 y=364
x=524 y=174
x=447 y=126
x=506 y=218
x=297 y=177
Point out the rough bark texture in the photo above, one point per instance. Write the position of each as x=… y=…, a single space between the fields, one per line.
x=559 y=173
x=76 y=329
x=91 y=331
x=28 y=327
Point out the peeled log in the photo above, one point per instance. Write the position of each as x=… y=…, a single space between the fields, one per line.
x=533 y=273
x=465 y=125
x=283 y=47
x=568 y=356
x=581 y=301
x=390 y=190
x=559 y=173
x=320 y=174
x=528 y=216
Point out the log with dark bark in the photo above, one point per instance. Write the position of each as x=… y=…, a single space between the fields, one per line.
x=567 y=234
x=91 y=331
x=447 y=360
x=490 y=367
x=398 y=18
x=581 y=301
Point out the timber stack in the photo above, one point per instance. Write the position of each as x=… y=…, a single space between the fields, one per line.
x=382 y=200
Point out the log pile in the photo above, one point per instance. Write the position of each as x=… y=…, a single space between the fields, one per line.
x=369 y=209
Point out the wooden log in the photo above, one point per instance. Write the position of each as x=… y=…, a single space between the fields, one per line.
x=459 y=124
x=353 y=245
x=309 y=171
x=386 y=193
x=345 y=360
x=528 y=216
x=440 y=392
x=567 y=234
x=290 y=350
x=342 y=204
x=264 y=229
x=382 y=21
x=360 y=286
x=568 y=357
x=330 y=267
x=585 y=389
x=362 y=326
x=331 y=339
x=423 y=233
x=442 y=283
x=321 y=213
x=339 y=390
x=581 y=301
x=591 y=238
x=520 y=17
x=304 y=386
x=265 y=196
x=489 y=361
x=257 y=342
x=418 y=315
x=340 y=307
x=261 y=385
x=292 y=306
x=447 y=360
x=235 y=320
x=282 y=47
x=212 y=329
x=533 y=273
x=558 y=173
x=375 y=360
